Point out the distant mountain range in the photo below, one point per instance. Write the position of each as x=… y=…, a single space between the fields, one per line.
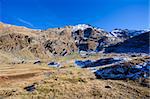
x=24 y=43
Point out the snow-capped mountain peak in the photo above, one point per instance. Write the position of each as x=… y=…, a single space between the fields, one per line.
x=80 y=27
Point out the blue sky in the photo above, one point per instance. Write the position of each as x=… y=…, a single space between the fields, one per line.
x=106 y=14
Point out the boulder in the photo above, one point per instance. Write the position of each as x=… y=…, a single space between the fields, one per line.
x=37 y=62
x=84 y=54
x=30 y=88
x=54 y=64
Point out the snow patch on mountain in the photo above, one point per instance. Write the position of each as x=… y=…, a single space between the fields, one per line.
x=136 y=32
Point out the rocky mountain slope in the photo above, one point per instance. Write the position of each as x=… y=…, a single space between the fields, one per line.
x=136 y=44
x=24 y=43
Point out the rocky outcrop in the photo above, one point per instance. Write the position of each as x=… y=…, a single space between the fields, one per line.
x=124 y=72
x=59 y=41
x=14 y=42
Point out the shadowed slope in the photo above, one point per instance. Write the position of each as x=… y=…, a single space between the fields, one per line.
x=137 y=44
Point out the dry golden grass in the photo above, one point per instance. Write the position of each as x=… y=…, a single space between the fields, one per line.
x=67 y=82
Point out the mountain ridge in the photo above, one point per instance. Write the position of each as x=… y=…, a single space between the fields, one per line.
x=57 y=41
